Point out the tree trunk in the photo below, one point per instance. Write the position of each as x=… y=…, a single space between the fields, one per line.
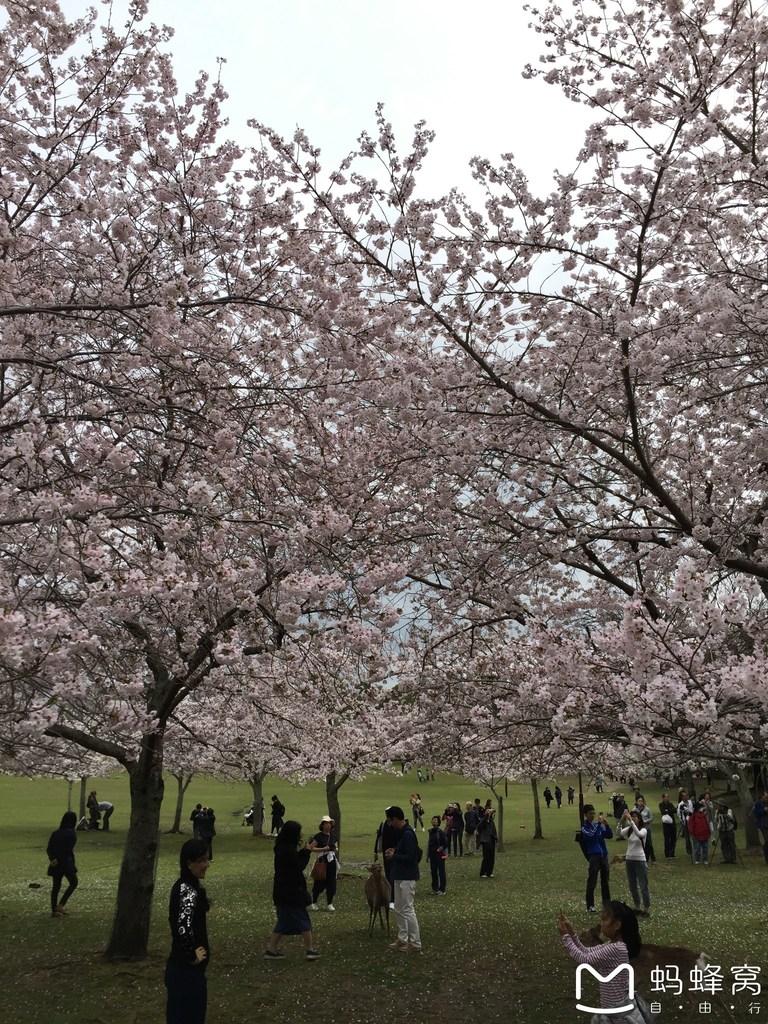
x=69 y=794
x=83 y=785
x=333 y=784
x=751 y=834
x=537 y=832
x=257 y=783
x=182 y=785
x=500 y=824
x=581 y=800
x=130 y=927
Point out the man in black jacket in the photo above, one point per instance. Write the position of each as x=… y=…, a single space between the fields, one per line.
x=405 y=859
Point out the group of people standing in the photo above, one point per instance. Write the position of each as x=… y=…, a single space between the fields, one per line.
x=557 y=796
x=204 y=826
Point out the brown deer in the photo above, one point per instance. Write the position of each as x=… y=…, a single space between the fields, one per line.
x=377 y=893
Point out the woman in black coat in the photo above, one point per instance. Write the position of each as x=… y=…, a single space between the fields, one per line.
x=187 y=909
x=61 y=862
x=289 y=892
x=324 y=875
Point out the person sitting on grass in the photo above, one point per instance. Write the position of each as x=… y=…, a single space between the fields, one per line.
x=618 y=924
x=185 y=978
x=289 y=892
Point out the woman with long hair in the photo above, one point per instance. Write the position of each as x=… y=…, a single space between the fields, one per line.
x=326 y=865
x=636 y=861
x=289 y=892
x=61 y=862
x=188 y=906
x=618 y=923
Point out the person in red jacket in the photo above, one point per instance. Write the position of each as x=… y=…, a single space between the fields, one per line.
x=698 y=826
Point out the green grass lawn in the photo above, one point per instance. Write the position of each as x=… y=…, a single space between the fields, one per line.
x=490 y=944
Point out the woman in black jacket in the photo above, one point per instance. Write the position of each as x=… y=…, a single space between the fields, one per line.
x=185 y=971
x=289 y=892
x=61 y=862
x=324 y=874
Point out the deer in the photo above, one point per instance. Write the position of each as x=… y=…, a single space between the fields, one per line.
x=377 y=893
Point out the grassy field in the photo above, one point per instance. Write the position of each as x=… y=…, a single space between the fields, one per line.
x=491 y=951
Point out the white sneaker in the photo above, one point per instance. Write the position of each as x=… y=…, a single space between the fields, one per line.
x=331 y=906
x=313 y=906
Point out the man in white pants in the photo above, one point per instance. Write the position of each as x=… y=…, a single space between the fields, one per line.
x=405 y=859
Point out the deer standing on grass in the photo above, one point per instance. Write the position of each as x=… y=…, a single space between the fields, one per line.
x=378 y=896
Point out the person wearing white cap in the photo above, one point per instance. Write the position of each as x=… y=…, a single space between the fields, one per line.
x=325 y=867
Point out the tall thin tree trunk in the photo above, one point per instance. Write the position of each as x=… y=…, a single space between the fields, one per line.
x=257 y=784
x=136 y=886
x=333 y=784
x=69 y=794
x=500 y=823
x=182 y=784
x=83 y=785
x=537 y=832
x=751 y=834
x=581 y=800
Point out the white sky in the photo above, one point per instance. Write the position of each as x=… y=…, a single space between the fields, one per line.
x=324 y=66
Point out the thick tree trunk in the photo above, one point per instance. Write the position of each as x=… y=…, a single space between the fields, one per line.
x=537 y=832
x=83 y=786
x=257 y=784
x=182 y=784
x=130 y=927
x=751 y=834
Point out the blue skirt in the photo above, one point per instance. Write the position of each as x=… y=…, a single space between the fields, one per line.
x=292 y=921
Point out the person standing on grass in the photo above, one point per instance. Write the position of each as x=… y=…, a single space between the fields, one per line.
x=635 y=861
x=198 y=809
x=571 y=793
x=668 y=813
x=593 y=837
x=645 y=813
x=471 y=821
x=324 y=877
x=94 y=814
x=61 y=862
x=278 y=812
x=699 y=830
x=185 y=979
x=437 y=842
x=105 y=809
x=487 y=837
x=548 y=795
x=684 y=811
x=405 y=859
x=289 y=892
x=206 y=828
x=725 y=823
x=558 y=796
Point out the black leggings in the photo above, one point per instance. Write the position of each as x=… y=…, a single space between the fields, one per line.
x=489 y=859
x=71 y=876
x=455 y=842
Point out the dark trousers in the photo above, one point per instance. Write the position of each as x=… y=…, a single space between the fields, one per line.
x=455 y=841
x=277 y=822
x=650 y=853
x=670 y=839
x=105 y=819
x=728 y=847
x=598 y=865
x=187 y=995
x=328 y=884
x=437 y=867
x=489 y=858
x=71 y=877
